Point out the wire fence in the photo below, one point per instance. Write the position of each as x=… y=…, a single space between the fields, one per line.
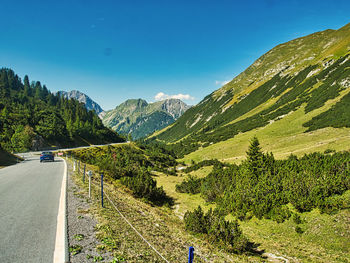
x=77 y=168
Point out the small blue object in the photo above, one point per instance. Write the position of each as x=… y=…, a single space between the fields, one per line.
x=102 y=189
x=190 y=254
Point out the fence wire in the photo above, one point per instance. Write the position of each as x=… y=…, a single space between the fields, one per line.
x=127 y=221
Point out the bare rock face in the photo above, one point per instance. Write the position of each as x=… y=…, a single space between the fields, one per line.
x=81 y=97
x=174 y=107
x=38 y=143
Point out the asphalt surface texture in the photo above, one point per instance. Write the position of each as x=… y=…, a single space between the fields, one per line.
x=29 y=200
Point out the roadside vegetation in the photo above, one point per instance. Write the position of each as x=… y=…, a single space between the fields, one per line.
x=157 y=224
x=132 y=165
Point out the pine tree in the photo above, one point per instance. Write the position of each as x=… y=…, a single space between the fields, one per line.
x=38 y=90
x=27 y=90
x=255 y=157
x=4 y=84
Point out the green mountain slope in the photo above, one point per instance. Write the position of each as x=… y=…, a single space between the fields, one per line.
x=303 y=73
x=31 y=117
x=139 y=118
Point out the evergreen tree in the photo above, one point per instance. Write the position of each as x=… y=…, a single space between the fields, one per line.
x=38 y=90
x=255 y=157
x=4 y=85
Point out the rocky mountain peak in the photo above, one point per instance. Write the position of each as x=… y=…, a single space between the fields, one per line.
x=82 y=97
x=139 y=118
x=175 y=107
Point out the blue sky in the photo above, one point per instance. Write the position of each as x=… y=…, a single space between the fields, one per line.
x=117 y=50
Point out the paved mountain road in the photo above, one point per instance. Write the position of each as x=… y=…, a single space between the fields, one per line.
x=29 y=201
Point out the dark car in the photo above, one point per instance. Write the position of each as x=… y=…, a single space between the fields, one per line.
x=47 y=156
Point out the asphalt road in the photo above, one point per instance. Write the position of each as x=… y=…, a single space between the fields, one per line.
x=29 y=200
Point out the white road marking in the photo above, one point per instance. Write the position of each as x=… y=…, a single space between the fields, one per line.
x=60 y=246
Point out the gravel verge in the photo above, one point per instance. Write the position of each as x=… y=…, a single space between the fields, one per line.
x=83 y=243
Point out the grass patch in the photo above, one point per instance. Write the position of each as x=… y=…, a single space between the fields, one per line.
x=184 y=202
x=79 y=237
x=320 y=238
x=75 y=249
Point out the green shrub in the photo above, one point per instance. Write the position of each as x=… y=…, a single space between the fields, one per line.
x=329 y=151
x=195 y=221
x=226 y=234
x=190 y=185
x=298 y=230
x=132 y=165
x=280 y=214
x=334 y=203
x=296 y=219
x=144 y=186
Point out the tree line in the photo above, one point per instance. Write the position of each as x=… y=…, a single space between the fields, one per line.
x=29 y=112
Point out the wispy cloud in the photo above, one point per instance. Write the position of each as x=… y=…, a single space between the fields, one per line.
x=221 y=82
x=163 y=96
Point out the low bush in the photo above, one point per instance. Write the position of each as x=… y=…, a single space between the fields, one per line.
x=226 y=234
x=190 y=185
x=144 y=186
x=334 y=203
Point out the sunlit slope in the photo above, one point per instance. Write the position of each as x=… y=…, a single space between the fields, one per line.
x=300 y=76
x=282 y=137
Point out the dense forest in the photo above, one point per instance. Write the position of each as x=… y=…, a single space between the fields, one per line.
x=264 y=187
x=32 y=117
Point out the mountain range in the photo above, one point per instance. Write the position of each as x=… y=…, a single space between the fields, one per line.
x=297 y=88
x=134 y=116
x=139 y=118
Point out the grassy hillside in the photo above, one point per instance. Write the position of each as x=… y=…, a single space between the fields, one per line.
x=326 y=237
x=307 y=232
x=156 y=222
x=305 y=73
x=283 y=137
